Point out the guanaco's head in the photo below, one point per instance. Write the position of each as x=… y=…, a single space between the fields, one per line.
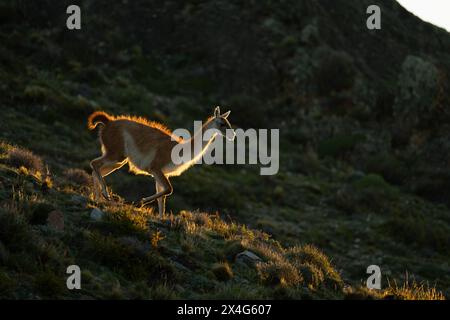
x=221 y=123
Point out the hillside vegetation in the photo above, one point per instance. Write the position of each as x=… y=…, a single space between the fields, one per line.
x=126 y=252
x=363 y=161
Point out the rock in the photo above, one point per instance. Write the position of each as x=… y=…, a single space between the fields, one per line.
x=96 y=214
x=80 y=200
x=179 y=288
x=180 y=266
x=248 y=258
x=55 y=220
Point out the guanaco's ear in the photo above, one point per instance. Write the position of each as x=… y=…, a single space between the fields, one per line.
x=226 y=114
x=217 y=112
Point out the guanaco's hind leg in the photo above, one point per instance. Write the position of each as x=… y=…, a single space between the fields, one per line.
x=96 y=186
x=101 y=167
x=161 y=200
x=164 y=189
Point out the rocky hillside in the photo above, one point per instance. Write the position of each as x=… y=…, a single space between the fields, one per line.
x=363 y=117
x=124 y=252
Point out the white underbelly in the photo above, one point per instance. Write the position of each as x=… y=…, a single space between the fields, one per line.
x=139 y=162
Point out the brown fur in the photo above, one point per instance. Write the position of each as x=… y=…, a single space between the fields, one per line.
x=146 y=135
x=145 y=145
x=96 y=118
x=102 y=117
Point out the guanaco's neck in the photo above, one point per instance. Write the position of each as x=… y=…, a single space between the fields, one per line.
x=197 y=152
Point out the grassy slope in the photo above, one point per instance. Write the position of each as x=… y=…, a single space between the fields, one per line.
x=133 y=253
x=189 y=259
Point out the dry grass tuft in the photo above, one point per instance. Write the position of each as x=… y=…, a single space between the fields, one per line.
x=222 y=271
x=279 y=273
x=19 y=157
x=413 y=291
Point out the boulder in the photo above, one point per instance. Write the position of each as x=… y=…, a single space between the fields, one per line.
x=96 y=214
x=248 y=258
x=79 y=200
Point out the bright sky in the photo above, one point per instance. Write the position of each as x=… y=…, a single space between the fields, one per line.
x=435 y=11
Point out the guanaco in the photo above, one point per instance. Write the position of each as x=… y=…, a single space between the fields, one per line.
x=146 y=146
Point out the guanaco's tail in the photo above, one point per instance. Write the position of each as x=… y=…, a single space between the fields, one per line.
x=98 y=117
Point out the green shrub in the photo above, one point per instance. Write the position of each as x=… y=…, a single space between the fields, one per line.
x=51 y=98
x=49 y=284
x=336 y=71
x=414 y=228
x=37 y=93
x=15 y=233
x=374 y=184
x=339 y=145
x=388 y=166
x=374 y=181
x=369 y=192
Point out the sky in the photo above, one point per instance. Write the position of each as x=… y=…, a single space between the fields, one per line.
x=435 y=11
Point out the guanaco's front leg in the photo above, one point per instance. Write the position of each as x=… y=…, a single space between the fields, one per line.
x=163 y=189
x=96 y=186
